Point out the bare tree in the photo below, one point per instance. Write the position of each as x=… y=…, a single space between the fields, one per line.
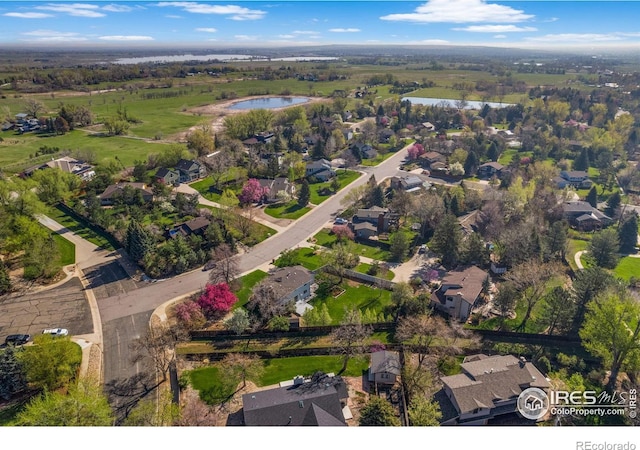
x=529 y=280
x=218 y=166
x=423 y=333
x=349 y=339
x=158 y=345
x=33 y=106
x=241 y=366
x=226 y=267
x=263 y=305
x=196 y=413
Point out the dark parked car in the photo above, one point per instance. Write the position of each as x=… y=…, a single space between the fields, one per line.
x=17 y=339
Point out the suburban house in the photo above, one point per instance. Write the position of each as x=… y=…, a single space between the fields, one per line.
x=275 y=187
x=291 y=284
x=429 y=158
x=364 y=230
x=67 y=164
x=381 y=218
x=385 y=367
x=366 y=151
x=584 y=217
x=319 y=401
x=190 y=170
x=458 y=292
x=320 y=169
x=195 y=226
x=488 y=170
x=487 y=388
x=409 y=183
x=166 y=176
x=115 y=190
x=578 y=179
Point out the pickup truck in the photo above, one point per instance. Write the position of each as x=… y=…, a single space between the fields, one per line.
x=56 y=331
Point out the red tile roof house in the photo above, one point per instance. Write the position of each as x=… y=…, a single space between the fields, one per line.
x=459 y=291
x=488 y=388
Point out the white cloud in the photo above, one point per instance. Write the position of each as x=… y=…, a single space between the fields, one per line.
x=73 y=9
x=234 y=11
x=305 y=32
x=245 y=37
x=500 y=36
x=286 y=36
x=429 y=42
x=551 y=19
x=206 y=30
x=173 y=16
x=53 y=36
x=495 y=29
x=27 y=15
x=126 y=38
x=345 y=30
x=117 y=8
x=461 y=11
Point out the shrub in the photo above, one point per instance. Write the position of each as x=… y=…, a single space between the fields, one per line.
x=190 y=316
x=217 y=299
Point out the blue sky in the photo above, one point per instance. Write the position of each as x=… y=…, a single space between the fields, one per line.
x=534 y=24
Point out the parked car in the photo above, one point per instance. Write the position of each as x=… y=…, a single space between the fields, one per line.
x=17 y=339
x=341 y=221
x=423 y=248
x=56 y=331
x=209 y=265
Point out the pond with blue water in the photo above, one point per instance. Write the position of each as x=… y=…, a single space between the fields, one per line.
x=269 y=102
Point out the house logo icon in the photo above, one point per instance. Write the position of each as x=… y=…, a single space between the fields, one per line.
x=533 y=403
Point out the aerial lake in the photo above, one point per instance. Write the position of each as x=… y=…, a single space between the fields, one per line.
x=269 y=102
x=451 y=103
x=220 y=57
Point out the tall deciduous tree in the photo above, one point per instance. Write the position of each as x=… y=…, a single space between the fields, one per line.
x=241 y=367
x=252 y=192
x=200 y=141
x=217 y=299
x=84 y=405
x=611 y=331
x=424 y=413
x=398 y=245
x=226 y=269
x=154 y=412
x=378 y=412
x=51 y=362
x=157 y=344
x=587 y=285
x=558 y=310
x=238 y=322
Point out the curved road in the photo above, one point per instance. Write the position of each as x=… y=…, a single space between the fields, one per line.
x=126 y=316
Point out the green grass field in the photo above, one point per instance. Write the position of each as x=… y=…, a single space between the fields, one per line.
x=385 y=274
x=67 y=250
x=326 y=239
x=345 y=177
x=306 y=257
x=628 y=267
x=289 y=210
x=81 y=229
x=356 y=296
x=248 y=282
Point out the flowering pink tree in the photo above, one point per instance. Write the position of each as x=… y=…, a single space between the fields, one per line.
x=190 y=316
x=252 y=192
x=415 y=150
x=343 y=232
x=217 y=299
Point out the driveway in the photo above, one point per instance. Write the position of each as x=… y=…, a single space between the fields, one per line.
x=64 y=306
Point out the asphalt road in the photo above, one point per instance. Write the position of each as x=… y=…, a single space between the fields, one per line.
x=123 y=314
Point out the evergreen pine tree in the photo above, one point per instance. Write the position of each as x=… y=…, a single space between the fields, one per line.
x=304 y=195
x=139 y=242
x=592 y=197
x=627 y=233
x=582 y=161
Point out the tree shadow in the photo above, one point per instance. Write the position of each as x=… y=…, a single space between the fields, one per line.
x=125 y=393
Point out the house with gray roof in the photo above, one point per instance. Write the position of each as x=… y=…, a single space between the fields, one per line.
x=291 y=284
x=489 y=169
x=112 y=192
x=409 y=183
x=385 y=367
x=458 y=292
x=277 y=187
x=487 y=388
x=319 y=401
x=381 y=218
x=585 y=217
x=166 y=176
x=190 y=170
x=320 y=169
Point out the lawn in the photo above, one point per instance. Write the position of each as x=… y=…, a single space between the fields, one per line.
x=355 y=295
x=67 y=250
x=363 y=248
x=575 y=246
x=345 y=177
x=377 y=160
x=207 y=380
x=306 y=257
x=628 y=267
x=203 y=187
x=248 y=282
x=382 y=273
x=83 y=230
x=289 y=210
x=507 y=156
